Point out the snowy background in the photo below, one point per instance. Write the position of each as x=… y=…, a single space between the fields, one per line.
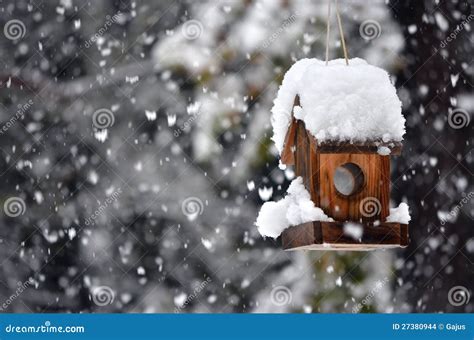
x=135 y=154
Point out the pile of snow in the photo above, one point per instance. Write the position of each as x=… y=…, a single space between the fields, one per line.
x=353 y=230
x=400 y=214
x=354 y=103
x=296 y=208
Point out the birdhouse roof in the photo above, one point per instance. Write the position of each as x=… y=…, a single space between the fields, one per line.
x=352 y=104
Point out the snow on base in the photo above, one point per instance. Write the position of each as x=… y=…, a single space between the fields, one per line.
x=296 y=208
x=400 y=214
x=355 y=103
x=353 y=230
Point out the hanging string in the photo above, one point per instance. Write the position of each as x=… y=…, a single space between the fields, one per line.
x=343 y=41
x=328 y=27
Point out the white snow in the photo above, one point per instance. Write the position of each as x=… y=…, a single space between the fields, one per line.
x=355 y=103
x=400 y=214
x=441 y=21
x=383 y=151
x=101 y=135
x=180 y=299
x=353 y=230
x=296 y=208
x=39 y=198
x=470 y=245
x=171 y=119
x=150 y=115
x=265 y=193
x=206 y=243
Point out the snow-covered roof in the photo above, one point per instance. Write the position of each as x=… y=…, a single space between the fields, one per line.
x=339 y=103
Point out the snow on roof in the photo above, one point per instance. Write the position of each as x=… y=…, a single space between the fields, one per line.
x=339 y=103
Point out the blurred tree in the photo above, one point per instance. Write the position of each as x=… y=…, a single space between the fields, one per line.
x=435 y=171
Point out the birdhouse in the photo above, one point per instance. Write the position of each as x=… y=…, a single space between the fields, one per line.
x=338 y=126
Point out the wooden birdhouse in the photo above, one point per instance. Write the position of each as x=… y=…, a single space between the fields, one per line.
x=339 y=137
x=351 y=183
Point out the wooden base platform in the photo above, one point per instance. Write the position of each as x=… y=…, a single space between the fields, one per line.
x=331 y=236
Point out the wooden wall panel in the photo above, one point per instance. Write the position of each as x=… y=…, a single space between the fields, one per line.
x=302 y=160
x=376 y=171
x=288 y=152
x=314 y=170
